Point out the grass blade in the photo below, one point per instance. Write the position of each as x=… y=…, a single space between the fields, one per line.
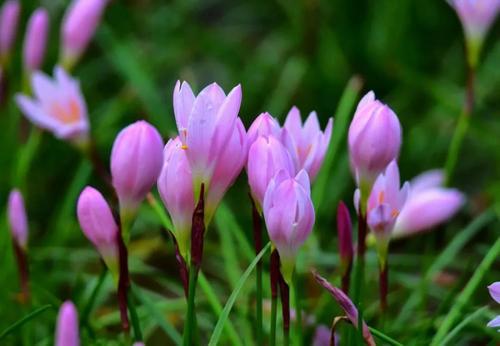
x=385 y=338
x=24 y=320
x=214 y=339
x=463 y=324
x=341 y=121
x=466 y=294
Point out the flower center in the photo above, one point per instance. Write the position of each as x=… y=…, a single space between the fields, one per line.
x=66 y=115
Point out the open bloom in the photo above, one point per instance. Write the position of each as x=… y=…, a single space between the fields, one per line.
x=374 y=140
x=67 y=332
x=18 y=221
x=264 y=125
x=384 y=205
x=289 y=216
x=206 y=124
x=79 y=25
x=266 y=157
x=494 y=289
x=136 y=162
x=58 y=106
x=428 y=204
x=9 y=19
x=35 y=40
x=99 y=226
x=306 y=143
x=175 y=185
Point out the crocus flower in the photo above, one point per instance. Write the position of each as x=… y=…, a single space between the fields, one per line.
x=384 y=206
x=266 y=157
x=228 y=167
x=35 y=40
x=58 y=106
x=476 y=16
x=136 y=162
x=264 y=125
x=348 y=306
x=67 y=333
x=346 y=247
x=18 y=221
x=374 y=140
x=99 y=226
x=428 y=204
x=175 y=185
x=79 y=25
x=9 y=18
x=206 y=124
x=322 y=336
x=494 y=289
x=289 y=216
x=306 y=143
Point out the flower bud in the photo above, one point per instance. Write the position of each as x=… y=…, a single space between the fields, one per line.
x=266 y=157
x=17 y=219
x=99 y=226
x=9 y=19
x=67 y=332
x=494 y=290
x=307 y=144
x=374 y=140
x=228 y=167
x=289 y=216
x=58 y=106
x=205 y=124
x=175 y=185
x=344 y=228
x=264 y=125
x=35 y=40
x=79 y=25
x=428 y=205
x=476 y=16
x=384 y=206
x=136 y=162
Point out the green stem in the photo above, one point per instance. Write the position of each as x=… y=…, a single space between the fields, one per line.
x=298 y=310
x=134 y=318
x=274 y=314
x=189 y=325
x=90 y=304
x=286 y=337
x=462 y=126
x=258 y=291
x=464 y=297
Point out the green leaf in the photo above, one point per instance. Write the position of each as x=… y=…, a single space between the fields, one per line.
x=384 y=337
x=25 y=320
x=214 y=339
x=463 y=324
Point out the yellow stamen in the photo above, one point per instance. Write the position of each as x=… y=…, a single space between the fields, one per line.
x=68 y=115
x=395 y=213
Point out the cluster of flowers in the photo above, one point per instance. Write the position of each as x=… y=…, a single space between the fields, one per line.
x=212 y=147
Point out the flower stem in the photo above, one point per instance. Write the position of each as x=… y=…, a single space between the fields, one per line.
x=22 y=265
x=462 y=126
x=384 y=285
x=274 y=272
x=133 y=315
x=285 y=309
x=257 y=236
x=189 y=325
x=123 y=283
x=298 y=309
x=360 y=260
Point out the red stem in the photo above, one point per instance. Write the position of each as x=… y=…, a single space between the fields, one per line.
x=123 y=282
x=384 y=286
x=346 y=277
x=274 y=273
x=22 y=264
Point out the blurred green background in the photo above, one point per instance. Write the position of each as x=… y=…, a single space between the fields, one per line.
x=283 y=53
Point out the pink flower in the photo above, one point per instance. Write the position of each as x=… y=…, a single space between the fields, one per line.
x=476 y=16
x=9 y=19
x=266 y=157
x=79 y=25
x=385 y=204
x=289 y=216
x=306 y=143
x=206 y=124
x=67 y=333
x=264 y=125
x=18 y=221
x=58 y=106
x=428 y=204
x=228 y=167
x=99 y=226
x=136 y=162
x=374 y=139
x=494 y=289
x=175 y=185
x=36 y=40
